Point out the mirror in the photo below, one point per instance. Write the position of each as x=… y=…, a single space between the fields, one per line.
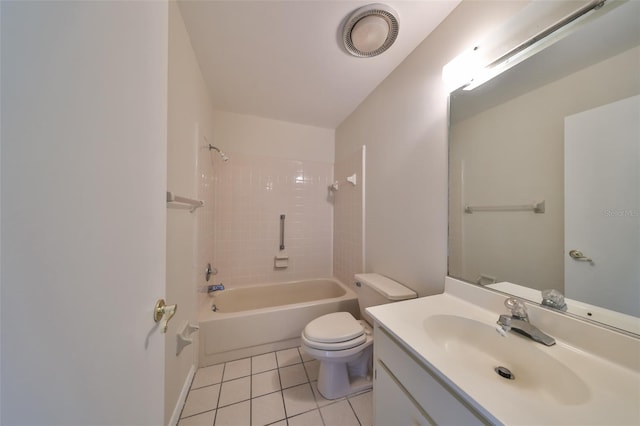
x=543 y=162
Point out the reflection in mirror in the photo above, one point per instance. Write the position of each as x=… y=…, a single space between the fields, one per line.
x=544 y=181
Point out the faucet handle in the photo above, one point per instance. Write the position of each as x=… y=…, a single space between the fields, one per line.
x=517 y=308
x=503 y=325
x=554 y=299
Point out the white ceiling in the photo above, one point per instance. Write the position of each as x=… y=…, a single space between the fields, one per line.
x=284 y=59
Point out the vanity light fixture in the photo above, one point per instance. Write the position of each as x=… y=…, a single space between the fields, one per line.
x=469 y=70
x=370 y=30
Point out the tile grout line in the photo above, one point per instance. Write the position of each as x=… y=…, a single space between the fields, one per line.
x=354 y=411
x=215 y=416
x=250 y=390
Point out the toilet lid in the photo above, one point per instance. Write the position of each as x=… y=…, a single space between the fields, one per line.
x=334 y=328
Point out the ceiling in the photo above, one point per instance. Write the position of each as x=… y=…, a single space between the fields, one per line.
x=284 y=59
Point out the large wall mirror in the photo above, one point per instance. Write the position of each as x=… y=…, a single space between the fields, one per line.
x=544 y=173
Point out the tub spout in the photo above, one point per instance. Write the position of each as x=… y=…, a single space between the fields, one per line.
x=215 y=287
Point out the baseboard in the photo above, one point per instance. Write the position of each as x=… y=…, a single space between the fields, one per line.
x=177 y=410
x=207 y=360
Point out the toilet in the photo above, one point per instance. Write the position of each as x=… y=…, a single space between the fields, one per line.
x=344 y=345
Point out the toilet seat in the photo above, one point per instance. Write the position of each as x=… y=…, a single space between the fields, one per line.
x=334 y=332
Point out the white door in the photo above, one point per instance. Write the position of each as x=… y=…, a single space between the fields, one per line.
x=83 y=216
x=602 y=206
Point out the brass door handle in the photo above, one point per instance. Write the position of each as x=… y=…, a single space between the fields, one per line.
x=163 y=310
x=577 y=255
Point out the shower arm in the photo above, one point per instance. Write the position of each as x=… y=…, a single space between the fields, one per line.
x=222 y=154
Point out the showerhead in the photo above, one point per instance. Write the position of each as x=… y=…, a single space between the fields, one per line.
x=222 y=154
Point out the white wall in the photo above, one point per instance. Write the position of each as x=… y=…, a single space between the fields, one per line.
x=348 y=231
x=403 y=123
x=513 y=154
x=247 y=134
x=83 y=211
x=189 y=121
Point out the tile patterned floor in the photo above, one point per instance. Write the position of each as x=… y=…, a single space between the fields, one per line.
x=276 y=388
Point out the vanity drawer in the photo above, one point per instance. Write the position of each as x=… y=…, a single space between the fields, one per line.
x=428 y=391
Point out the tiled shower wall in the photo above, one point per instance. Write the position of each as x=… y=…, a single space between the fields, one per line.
x=251 y=192
x=348 y=218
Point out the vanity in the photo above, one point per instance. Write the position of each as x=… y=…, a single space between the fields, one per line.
x=435 y=361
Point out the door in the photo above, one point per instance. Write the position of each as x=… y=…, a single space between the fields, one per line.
x=83 y=216
x=602 y=206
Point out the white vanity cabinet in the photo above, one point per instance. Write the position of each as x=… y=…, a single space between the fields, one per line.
x=406 y=392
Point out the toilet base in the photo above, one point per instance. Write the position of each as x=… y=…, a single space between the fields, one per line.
x=346 y=377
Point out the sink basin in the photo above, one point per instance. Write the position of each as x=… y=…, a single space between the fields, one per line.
x=591 y=376
x=477 y=350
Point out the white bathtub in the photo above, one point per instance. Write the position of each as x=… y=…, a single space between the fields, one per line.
x=263 y=318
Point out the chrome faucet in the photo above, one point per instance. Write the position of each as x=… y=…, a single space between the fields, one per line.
x=518 y=322
x=214 y=287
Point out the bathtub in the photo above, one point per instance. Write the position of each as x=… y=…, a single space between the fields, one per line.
x=263 y=318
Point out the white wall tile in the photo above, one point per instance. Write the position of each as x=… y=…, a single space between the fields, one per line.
x=251 y=192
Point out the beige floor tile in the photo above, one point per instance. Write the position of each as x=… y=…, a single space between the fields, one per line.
x=264 y=383
x=311 y=418
x=339 y=414
x=204 y=419
x=312 y=368
x=267 y=409
x=293 y=375
x=288 y=357
x=298 y=399
x=235 y=391
x=264 y=362
x=363 y=406
x=234 y=415
x=236 y=369
x=201 y=400
x=207 y=376
x=305 y=356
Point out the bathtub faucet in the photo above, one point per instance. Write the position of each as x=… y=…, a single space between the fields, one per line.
x=215 y=287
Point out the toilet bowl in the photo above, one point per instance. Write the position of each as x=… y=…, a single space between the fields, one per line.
x=343 y=344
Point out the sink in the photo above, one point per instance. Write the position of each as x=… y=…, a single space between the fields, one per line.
x=477 y=350
x=591 y=376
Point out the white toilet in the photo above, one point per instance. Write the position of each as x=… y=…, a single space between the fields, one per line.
x=344 y=345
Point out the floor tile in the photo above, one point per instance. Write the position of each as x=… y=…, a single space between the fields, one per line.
x=293 y=375
x=339 y=414
x=321 y=400
x=278 y=384
x=234 y=415
x=267 y=409
x=204 y=419
x=207 y=376
x=201 y=400
x=288 y=357
x=363 y=406
x=235 y=391
x=235 y=369
x=264 y=362
x=312 y=368
x=311 y=418
x=304 y=355
x=264 y=383
x=298 y=399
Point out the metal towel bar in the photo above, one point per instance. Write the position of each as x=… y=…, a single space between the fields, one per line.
x=535 y=207
x=281 y=232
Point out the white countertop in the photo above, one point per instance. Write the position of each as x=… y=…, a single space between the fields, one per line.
x=599 y=387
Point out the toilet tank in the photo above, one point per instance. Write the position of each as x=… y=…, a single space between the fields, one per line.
x=376 y=289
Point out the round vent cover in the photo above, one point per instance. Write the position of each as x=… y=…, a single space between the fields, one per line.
x=370 y=30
